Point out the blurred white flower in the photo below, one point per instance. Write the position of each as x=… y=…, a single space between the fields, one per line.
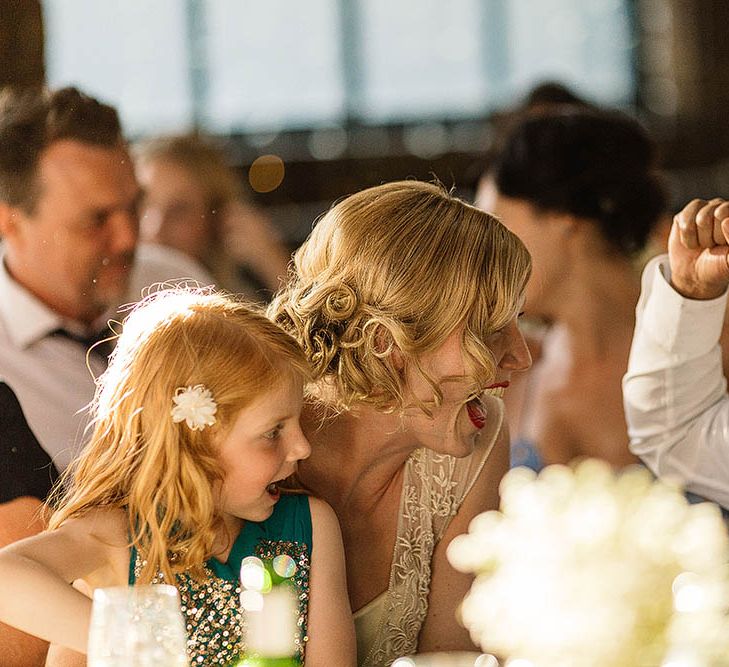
x=195 y=406
x=585 y=568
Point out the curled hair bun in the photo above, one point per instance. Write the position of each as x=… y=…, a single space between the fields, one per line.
x=334 y=327
x=629 y=210
x=341 y=303
x=319 y=316
x=342 y=336
x=321 y=348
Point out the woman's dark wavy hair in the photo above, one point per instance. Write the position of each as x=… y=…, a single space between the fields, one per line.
x=598 y=165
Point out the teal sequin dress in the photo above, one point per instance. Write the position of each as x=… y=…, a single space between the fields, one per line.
x=211 y=608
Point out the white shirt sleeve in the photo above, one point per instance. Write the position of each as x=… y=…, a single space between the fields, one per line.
x=676 y=401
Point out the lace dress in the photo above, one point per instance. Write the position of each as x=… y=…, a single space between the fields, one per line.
x=433 y=489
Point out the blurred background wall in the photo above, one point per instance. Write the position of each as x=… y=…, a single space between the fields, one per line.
x=316 y=99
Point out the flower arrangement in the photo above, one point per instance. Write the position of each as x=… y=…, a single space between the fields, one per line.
x=585 y=568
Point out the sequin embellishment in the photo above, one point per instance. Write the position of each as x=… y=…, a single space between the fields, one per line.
x=211 y=608
x=267 y=550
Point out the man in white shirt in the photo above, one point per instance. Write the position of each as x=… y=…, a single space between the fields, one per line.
x=69 y=227
x=676 y=401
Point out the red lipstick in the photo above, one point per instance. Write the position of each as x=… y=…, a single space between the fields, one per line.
x=498 y=385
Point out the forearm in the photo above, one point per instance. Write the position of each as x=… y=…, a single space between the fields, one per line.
x=21 y=650
x=59 y=656
x=21 y=518
x=675 y=393
x=37 y=601
x=270 y=264
x=251 y=241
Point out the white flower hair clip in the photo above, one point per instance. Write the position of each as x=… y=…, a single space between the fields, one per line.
x=195 y=406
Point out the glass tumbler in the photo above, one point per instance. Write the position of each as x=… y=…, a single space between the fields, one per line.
x=137 y=626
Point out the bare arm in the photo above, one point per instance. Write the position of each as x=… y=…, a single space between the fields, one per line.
x=556 y=442
x=331 y=629
x=441 y=630
x=59 y=656
x=20 y=518
x=251 y=240
x=567 y=429
x=37 y=596
x=19 y=649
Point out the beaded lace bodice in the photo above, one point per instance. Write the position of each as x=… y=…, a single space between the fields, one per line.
x=434 y=487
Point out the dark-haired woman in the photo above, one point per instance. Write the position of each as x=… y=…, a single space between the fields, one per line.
x=580 y=188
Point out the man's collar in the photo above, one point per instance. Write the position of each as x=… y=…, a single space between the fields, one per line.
x=26 y=318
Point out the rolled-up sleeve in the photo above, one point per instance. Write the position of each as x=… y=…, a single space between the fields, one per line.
x=676 y=402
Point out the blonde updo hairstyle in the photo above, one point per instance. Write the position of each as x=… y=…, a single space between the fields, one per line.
x=399 y=265
x=164 y=474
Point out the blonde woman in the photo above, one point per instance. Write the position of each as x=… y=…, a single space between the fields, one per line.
x=193 y=203
x=196 y=423
x=405 y=300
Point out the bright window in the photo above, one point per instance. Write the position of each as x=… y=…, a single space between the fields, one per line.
x=231 y=66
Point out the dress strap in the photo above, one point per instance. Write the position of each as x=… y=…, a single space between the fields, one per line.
x=132 y=565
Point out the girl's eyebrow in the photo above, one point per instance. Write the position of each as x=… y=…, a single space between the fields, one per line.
x=280 y=418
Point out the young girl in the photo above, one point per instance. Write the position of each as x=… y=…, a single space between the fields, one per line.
x=196 y=421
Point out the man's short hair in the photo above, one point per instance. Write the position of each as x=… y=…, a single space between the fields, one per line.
x=32 y=119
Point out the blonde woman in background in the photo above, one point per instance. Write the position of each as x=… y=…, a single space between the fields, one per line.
x=405 y=300
x=193 y=202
